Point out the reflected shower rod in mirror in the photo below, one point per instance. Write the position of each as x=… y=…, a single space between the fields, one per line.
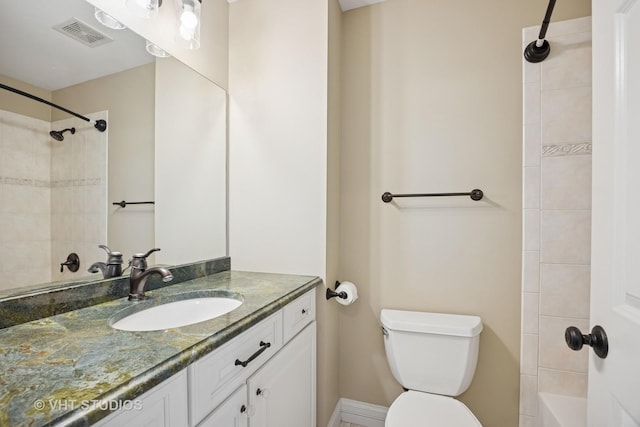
x=99 y=124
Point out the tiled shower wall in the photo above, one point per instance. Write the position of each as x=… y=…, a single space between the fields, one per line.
x=78 y=196
x=25 y=227
x=52 y=198
x=557 y=214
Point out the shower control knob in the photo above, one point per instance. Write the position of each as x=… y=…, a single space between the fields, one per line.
x=597 y=340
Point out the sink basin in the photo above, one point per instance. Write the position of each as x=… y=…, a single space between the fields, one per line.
x=175 y=311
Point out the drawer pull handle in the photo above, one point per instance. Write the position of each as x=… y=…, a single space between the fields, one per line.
x=263 y=347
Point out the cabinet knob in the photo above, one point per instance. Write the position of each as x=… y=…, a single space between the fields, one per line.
x=304 y=311
x=262 y=393
x=243 y=409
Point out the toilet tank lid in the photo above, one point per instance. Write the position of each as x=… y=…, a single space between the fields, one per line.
x=434 y=323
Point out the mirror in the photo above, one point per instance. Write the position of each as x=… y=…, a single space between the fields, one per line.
x=165 y=143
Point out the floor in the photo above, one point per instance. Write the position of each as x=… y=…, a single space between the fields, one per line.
x=343 y=424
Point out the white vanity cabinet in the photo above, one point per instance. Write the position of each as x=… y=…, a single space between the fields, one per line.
x=233 y=412
x=282 y=392
x=264 y=377
x=164 y=405
x=223 y=386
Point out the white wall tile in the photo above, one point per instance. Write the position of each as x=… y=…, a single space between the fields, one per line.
x=530 y=313
x=565 y=115
x=532 y=104
x=532 y=187
x=569 y=64
x=561 y=284
x=531 y=271
x=562 y=382
x=529 y=356
x=528 y=421
x=565 y=237
x=528 y=395
x=531 y=226
x=554 y=352
x=556 y=137
x=532 y=146
x=566 y=182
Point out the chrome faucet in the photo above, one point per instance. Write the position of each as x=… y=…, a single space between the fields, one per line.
x=113 y=266
x=140 y=274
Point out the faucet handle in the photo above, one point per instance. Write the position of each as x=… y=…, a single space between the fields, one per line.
x=113 y=257
x=149 y=252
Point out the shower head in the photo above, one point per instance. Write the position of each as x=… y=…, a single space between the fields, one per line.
x=58 y=134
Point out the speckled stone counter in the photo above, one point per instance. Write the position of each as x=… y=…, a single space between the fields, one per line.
x=77 y=357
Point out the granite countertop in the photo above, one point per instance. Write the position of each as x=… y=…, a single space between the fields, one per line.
x=55 y=369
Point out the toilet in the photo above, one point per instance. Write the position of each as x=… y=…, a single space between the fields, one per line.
x=433 y=356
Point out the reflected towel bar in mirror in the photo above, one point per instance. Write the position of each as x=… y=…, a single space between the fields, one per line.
x=475 y=194
x=124 y=204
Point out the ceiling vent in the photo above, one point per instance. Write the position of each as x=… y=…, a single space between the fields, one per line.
x=85 y=34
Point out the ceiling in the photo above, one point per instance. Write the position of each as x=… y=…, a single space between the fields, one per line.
x=33 y=52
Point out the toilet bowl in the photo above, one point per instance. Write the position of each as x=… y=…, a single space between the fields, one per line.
x=433 y=356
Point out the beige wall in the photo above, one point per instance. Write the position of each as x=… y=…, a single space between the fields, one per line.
x=129 y=98
x=432 y=96
x=328 y=313
x=21 y=105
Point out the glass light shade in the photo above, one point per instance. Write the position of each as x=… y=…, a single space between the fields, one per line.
x=108 y=20
x=154 y=50
x=188 y=35
x=144 y=8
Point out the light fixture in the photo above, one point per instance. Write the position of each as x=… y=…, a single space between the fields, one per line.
x=108 y=20
x=188 y=35
x=144 y=8
x=154 y=50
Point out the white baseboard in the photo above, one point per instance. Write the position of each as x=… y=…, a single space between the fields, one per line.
x=361 y=413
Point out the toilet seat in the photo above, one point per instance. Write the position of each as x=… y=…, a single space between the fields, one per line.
x=417 y=409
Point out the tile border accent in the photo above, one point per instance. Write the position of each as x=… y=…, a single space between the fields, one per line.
x=41 y=183
x=576 y=149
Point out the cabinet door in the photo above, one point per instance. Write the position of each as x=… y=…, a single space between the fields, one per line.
x=165 y=405
x=283 y=392
x=231 y=413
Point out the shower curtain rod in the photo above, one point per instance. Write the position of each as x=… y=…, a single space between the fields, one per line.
x=99 y=124
x=539 y=49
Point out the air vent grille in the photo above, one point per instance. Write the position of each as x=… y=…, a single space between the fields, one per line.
x=84 y=33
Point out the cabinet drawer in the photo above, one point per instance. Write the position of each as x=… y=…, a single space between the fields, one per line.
x=299 y=314
x=214 y=377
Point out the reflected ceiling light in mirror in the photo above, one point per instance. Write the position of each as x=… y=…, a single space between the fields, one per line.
x=154 y=50
x=144 y=8
x=188 y=35
x=108 y=20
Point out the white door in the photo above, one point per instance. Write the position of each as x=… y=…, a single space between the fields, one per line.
x=614 y=382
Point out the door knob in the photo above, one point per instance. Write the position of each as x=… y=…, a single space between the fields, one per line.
x=597 y=340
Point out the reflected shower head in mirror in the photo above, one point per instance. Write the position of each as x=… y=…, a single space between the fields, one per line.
x=58 y=134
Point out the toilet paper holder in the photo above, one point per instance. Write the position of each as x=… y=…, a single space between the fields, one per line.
x=333 y=294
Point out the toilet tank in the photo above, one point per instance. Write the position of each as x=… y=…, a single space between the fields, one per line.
x=431 y=352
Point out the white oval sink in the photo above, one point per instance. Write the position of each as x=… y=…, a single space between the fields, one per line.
x=175 y=314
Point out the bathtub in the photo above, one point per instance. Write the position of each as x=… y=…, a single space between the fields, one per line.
x=557 y=410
